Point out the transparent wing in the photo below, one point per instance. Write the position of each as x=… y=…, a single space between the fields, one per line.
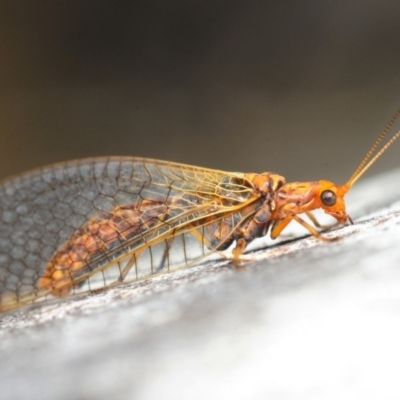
x=86 y=224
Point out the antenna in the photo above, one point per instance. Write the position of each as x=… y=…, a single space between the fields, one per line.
x=367 y=161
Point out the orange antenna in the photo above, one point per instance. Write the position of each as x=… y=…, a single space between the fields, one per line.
x=367 y=161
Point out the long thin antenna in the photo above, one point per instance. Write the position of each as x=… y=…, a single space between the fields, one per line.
x=366 y=162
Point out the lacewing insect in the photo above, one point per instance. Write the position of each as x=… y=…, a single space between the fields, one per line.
x=90 y=224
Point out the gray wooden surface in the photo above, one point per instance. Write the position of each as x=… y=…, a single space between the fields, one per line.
x=307 y=320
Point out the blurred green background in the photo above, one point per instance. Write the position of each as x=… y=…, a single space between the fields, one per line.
x=299 y=88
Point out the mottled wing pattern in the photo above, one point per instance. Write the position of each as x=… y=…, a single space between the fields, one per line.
x=61 y=224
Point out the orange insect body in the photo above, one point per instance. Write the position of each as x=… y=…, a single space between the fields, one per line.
x=64 y=225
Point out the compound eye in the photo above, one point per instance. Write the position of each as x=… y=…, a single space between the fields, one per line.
x=328 y=197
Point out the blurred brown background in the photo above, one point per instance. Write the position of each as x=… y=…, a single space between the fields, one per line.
x=300 y=88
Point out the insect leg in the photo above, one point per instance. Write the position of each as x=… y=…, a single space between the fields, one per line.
x=316 y=222
x=165 y=254
x=281 y=224
x=238 y=251
x=200 y=237
x=127 y=268
x=253 y=228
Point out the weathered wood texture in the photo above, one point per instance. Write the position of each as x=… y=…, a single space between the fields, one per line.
x=312 y=320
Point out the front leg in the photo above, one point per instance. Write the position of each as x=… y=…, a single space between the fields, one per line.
x=281 y=224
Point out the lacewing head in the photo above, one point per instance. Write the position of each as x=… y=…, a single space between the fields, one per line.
x=299 y=197
x=296 y=198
